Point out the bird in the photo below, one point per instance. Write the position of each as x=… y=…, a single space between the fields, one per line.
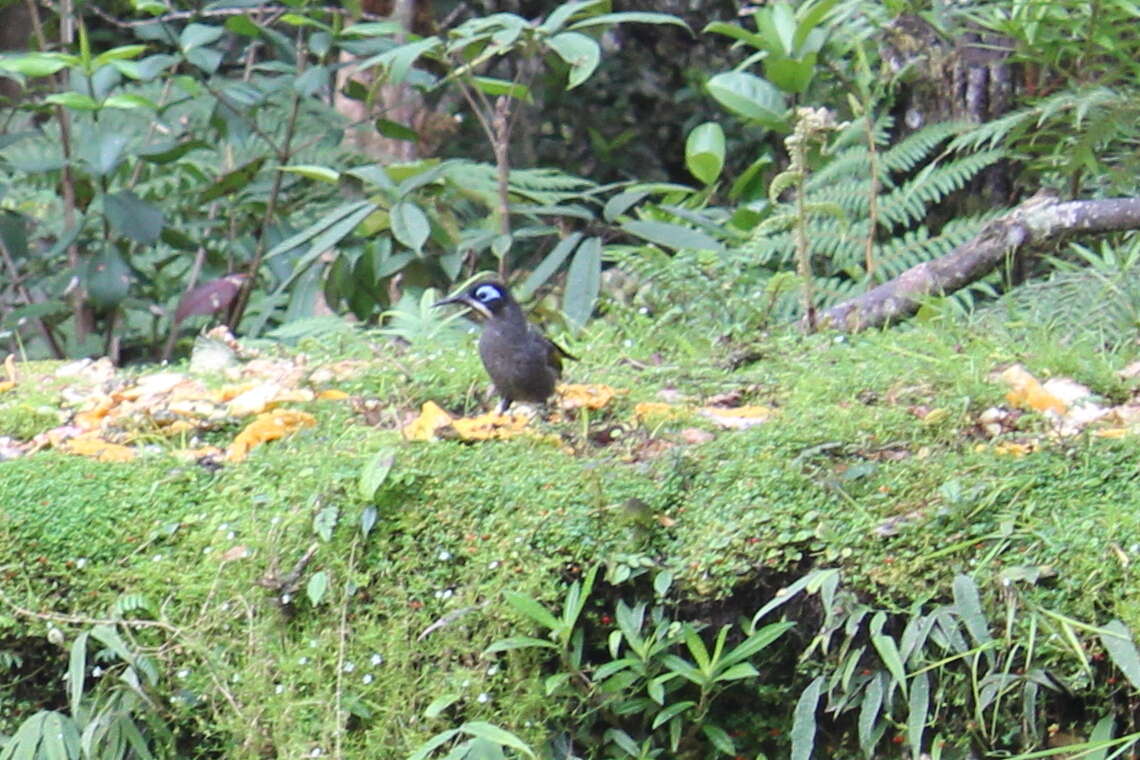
x=523 y=363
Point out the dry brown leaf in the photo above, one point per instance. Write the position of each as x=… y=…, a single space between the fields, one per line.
x=490 y=426
x=1026 y=392
x=332 y=394
x=591 y=396
x=696 y=435
x=738 y=418
x=253 y=401
x=655 y=409
x=92 y=418
x=268 y=426
x=235 y=553
x=7 y=385
x=425 y=427
x=96 y=448
x=1015 y=449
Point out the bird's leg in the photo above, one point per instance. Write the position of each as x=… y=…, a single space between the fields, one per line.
x=504 y=404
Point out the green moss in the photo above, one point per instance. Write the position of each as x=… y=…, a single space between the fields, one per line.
x=851 y=471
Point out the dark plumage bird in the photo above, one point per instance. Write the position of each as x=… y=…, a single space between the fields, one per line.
x=523 y=363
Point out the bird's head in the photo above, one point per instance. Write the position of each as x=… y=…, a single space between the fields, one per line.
x=488 y=299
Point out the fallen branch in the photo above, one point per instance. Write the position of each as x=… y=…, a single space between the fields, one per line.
x=1038 y=220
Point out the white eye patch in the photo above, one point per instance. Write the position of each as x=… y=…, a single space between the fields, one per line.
x=487 y=294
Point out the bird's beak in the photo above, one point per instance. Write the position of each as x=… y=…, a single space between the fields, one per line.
x=464 y=300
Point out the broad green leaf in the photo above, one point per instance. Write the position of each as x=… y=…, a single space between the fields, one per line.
x=427 y=748
x=532 y=610
x=311 y=80
x=198 y=35
x=375 y=472
x=672 y=711
x=548 y=266
x=1117 y=641
x=394 y=130
x=73 y=100
x=583 y=281
x=372 y=29
x=750 y=97
x=560 y=15
x=738 y=671
x=719 y=738
x=439 y=704
x=496 y=87
x=696 y=646
x=704 y=152
x=519 y=642
x=784 y=22
x=233 y=181
x=324 y=522
x=311 y=171
x=622 y=202
x=497 y=735
x=397 y=62
x=672 y=235
x=623 y=741
x=684 y=669
x=810 y=15
x=165 y=152
x=129 y=101
x=317 y=586
x=243 y=25
x=77 y=672
x=37 y=64
x=969 y=608
x=410 y=225
x=630 y=17
x=116 y=54
x=736 y=32
x=204 y=58
x=367 y=520
x=790 y=74
x=803 y=720
x=917 y=712
x=297 y=19
x=132 y=216
x=321 y=235
x=581 y=54
x=662 y=582
x=108 y=279
x=869 y=714
x=888 y=651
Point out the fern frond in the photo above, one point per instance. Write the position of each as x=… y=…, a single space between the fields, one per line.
x=917 y=147
x=910 y=203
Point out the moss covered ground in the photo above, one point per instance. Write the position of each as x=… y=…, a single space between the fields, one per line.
x=872 y=461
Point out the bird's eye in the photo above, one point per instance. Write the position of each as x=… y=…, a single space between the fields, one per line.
x=487 y=294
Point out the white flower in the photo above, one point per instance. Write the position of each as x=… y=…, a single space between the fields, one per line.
x=377 y=659
x=483 y=698
x=367 y=678
x=279 y=689
x=302 y=660
x=493 y=564
x=349 y=667
x=185 y=672
x=444 y=555
x=492 y=670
